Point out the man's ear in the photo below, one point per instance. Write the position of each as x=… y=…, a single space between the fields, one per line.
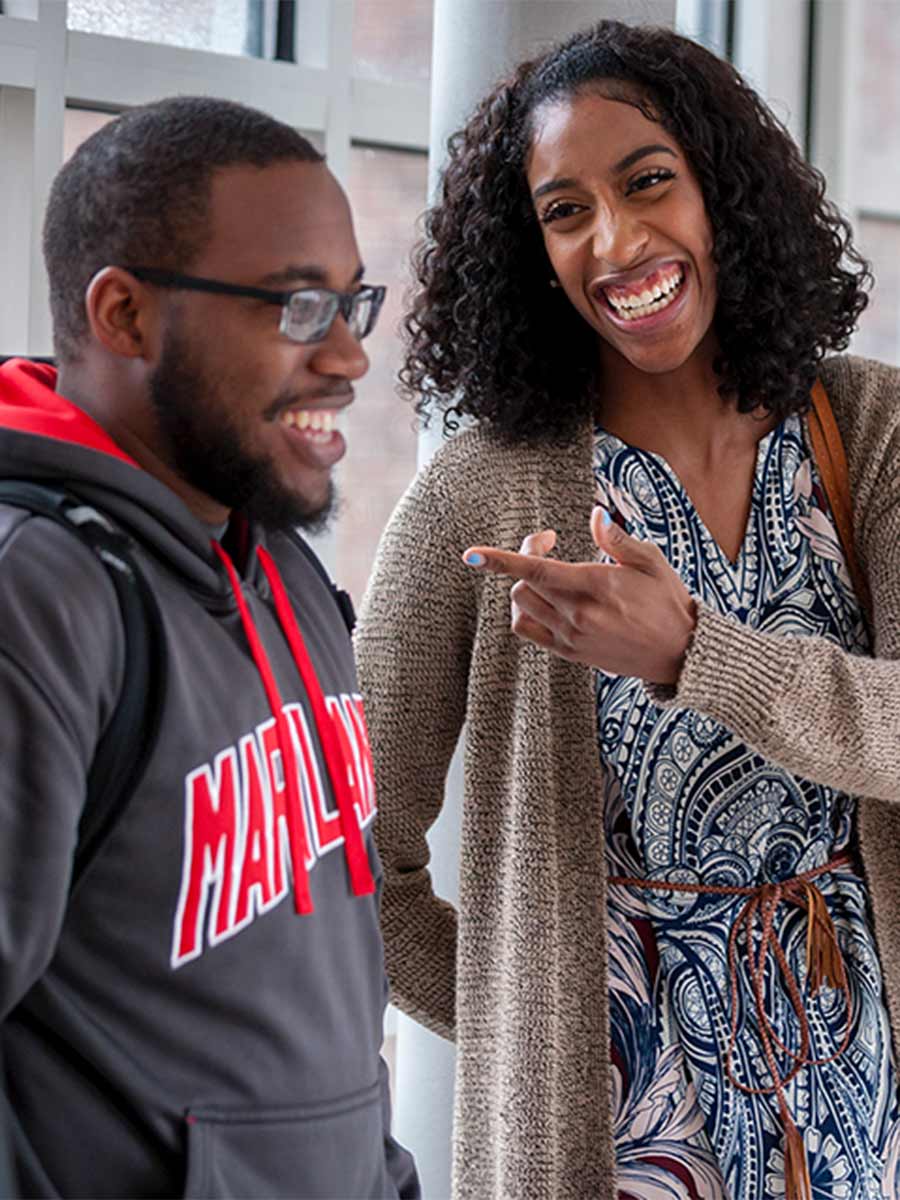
x=122 y=313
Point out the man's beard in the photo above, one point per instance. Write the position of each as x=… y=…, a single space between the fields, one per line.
x=206 y=448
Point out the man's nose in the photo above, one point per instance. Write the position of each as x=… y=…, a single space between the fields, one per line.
x=618 y=238
x=340 y=353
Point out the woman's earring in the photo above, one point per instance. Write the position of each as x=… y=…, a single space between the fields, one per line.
x=554 y=283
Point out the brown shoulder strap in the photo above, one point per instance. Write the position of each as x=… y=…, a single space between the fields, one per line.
x=828 y=450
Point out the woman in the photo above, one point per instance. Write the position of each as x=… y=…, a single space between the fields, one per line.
x=675 y=968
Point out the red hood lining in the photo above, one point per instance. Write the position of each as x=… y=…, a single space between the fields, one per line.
x=29 y=403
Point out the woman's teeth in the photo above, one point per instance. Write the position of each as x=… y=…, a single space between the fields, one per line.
x=317 y=424
x=631 y=306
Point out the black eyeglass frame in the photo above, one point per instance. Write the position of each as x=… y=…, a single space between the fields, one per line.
x=344 y=302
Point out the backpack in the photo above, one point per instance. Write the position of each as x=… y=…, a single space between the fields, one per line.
x=124 y=749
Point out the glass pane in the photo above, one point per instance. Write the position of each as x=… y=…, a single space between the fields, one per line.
x=879 y=329
x=80 y=123
x=392 y=40
x=875 y=169
x=23 y=10
x=706 y=21
x=226 y=26
x=876 y=143
x=387 y=190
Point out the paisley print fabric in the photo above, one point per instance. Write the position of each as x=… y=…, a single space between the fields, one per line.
x=687 y=802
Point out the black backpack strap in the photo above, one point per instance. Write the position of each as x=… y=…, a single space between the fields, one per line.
x=341 y=598
x=124 y=748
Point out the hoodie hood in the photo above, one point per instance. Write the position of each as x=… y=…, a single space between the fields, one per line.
x=30 y=404
x=44 y=436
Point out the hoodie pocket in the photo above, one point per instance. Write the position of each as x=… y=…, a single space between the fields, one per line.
x=329 y=1151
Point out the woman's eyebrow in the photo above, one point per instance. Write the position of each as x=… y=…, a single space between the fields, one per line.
x=642 y=151
x=633 y=156
x=553 y=185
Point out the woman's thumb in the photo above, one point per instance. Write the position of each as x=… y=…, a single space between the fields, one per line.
x=627 y=551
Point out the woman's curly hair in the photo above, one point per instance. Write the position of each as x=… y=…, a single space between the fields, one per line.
x=486 y=336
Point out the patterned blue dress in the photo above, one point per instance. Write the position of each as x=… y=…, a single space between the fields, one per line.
x=687 y=801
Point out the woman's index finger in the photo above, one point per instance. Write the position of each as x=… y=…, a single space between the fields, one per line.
x=539 y=572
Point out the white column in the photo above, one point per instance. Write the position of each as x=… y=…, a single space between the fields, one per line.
x=49 y=122
x=834 y=116
x=770 y=51
x=705 y=21
x=475 y=43
x=17 y=140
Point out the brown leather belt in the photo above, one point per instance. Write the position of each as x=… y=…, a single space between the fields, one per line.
x=824 y=966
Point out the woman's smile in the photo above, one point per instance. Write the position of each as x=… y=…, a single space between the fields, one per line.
x=645 y=302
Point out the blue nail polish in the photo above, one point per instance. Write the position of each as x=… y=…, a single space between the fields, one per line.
x=607 y=519
x=475 y=560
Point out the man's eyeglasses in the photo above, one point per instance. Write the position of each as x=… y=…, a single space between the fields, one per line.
x=307 y=314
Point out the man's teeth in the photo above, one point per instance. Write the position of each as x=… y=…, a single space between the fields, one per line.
x=632 y=306
x=321 y=421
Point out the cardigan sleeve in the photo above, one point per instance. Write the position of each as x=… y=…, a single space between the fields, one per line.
x=413 y=645
x=803 y=702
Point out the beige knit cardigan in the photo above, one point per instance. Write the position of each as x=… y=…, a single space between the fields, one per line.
x=519 y=975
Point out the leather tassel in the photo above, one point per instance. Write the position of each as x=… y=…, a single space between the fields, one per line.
x=824 y=962
x=797 y=1185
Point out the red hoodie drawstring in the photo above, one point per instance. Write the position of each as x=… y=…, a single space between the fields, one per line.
x=296 y=832
x=361 y=881
x=357 y=859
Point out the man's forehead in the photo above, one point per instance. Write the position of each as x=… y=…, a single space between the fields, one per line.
x=265 y=219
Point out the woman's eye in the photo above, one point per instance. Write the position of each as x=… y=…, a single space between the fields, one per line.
x=559 y=210
x=649 y=179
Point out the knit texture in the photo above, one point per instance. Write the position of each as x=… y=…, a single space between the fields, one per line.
x=519 y=976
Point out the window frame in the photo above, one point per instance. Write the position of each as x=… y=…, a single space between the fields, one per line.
x=45 y=67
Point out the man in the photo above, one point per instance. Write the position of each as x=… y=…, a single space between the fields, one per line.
x=201 y=1013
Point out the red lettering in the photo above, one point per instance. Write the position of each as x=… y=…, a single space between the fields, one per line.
x=254 y=891
x=210 y=839
x=350 y=752
x=354 y=705
x=326 y=823
x=281 y=836
x=237 y=840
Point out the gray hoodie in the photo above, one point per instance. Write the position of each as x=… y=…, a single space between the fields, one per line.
x=202 y=1016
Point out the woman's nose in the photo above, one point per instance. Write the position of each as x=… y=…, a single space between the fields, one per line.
x=618 y=238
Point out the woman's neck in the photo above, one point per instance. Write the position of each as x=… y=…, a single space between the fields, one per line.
x=679 y=414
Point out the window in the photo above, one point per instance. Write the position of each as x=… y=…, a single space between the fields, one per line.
x=873 y=170
x=226 y=26
x=879 y=331
x=392 y=40
x=387 y=189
